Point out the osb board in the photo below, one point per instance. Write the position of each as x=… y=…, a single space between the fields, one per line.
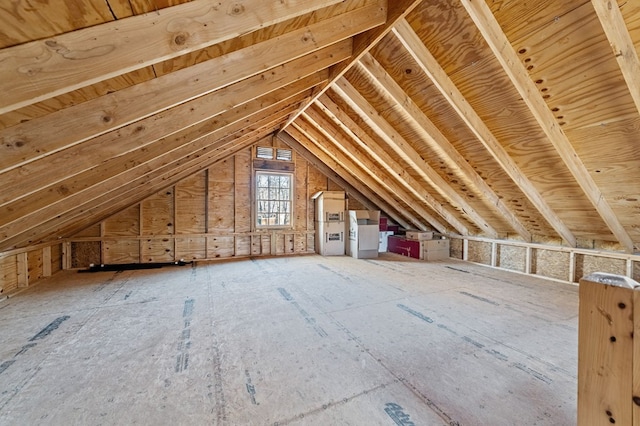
x=157 y=213
x=280 y=244
x=34 y=262
x=300 y=244
x=8 y=274
x=84 y=253
x=242 y=187
x=191 y=201
x=191 y=248
x=316 y=182
x=221 y=197
x=512 y=257
x=156 y=250
x=92 y=231
x=586 y=265
x=220 y=246
x=121 y=251
x=455 y=248
x=242 y=245
x=302 y=195
x=549 y=263
x=123 y=224
x=479 y=252
x=56 y=258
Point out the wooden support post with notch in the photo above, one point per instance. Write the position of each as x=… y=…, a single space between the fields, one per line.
x=608 y=355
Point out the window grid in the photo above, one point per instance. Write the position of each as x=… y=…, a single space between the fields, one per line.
x=274 y=194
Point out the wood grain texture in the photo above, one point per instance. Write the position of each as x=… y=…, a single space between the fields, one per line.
x=124 y=223
x=42 y=69
x=157 y=213
x=190 y=204
x=121 y=251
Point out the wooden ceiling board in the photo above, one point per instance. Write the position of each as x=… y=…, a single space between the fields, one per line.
x=40 y=109
x=258 y=36
x=22 y=21
x=146 y=6
x=416 y=85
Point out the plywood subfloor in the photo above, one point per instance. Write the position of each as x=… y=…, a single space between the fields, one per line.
x=301 y=340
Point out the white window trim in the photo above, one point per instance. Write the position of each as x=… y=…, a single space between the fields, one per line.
x=255 y=200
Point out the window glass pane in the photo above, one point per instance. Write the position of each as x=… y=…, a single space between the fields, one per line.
x=273 y=199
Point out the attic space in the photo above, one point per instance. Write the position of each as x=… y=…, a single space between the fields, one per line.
x=362 y=211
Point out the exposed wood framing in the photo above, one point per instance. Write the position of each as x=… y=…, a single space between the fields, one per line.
x=441 y=80
x=35 y=71
x=435 y=139
x=513 y=67
x=623 y=48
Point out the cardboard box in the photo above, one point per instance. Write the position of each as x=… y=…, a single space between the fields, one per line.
x=419 y=235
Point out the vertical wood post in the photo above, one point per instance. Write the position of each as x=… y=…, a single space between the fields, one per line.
x=22 y=266
x=606 y=350
x=465 y=249
x=46 y=261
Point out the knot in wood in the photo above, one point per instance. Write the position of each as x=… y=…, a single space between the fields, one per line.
x=180 y=39
x=236 y=9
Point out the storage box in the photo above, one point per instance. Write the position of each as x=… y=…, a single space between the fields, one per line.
x=419 y=235
x=435 y=250
x=330 y=238
x=329 y=206
x=403 y=246
x=383 y=224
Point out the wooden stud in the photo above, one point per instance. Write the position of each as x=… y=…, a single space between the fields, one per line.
x=572 y=267
x=515 y=69
x=527 y=261
x=22 y=266
x=465 y=249
x=46 y=261
x=441 y=80
x=494 y=254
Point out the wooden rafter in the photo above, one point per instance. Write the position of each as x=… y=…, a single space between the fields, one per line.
x=42 y=69
x=514 y=68
x=402 y=148
x=385 y=172
x=450 y=92
x=372 y=148
x=79 y=157
x=623 y=48
x=121 y=197
x=360 y=193
x=75 y=124
x=431 y=135
x=323 y=151
x=397 y=10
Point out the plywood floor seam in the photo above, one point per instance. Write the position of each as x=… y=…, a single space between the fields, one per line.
x=302 y=340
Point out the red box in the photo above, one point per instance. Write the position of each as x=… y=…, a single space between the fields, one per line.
x=400 y=245
x=383 y=224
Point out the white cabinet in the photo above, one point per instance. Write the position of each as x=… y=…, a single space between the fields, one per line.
x=330 y=223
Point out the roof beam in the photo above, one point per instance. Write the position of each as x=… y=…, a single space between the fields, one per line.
x=385 y=172
x=316 y=144
x=80 y=157
x=31 y=140
x=334 y=175
x=431 y=135
x=621 y=43
x=373 y=149
x=121 y=197
x=38 y=70
x=403 y=149
x=124 y=169
x=396 y=10
x=450 y=92
x=513 y=67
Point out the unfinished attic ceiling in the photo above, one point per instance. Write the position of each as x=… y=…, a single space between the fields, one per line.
x=507 y=119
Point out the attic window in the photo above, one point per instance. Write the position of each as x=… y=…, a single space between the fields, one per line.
x=264 y=152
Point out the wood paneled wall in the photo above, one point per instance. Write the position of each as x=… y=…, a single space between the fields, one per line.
x=23 y=267
x=206 y=216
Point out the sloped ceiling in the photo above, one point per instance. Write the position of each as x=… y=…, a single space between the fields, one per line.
x=505 y=119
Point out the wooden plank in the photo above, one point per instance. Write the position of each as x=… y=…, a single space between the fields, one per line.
x=621 y=43
x=220 y=247
x=437 y=141
x=78 y=123
x=43 y=69
x=348 y=93
x=191 y=248
x=105 y=205
x=190 y=204
x=155 y=250
x=121 y=251
x=56 y=258
x=221 y=197
x=157 y=213
x=34 y=266
x=124 y=223
x=290 y=78
x=395 y=11
x=605 y=351
x=8 y=274
x=441 y=80
x=242 y=191
x=515 y=69
x=22 y=272
x=46 y=261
